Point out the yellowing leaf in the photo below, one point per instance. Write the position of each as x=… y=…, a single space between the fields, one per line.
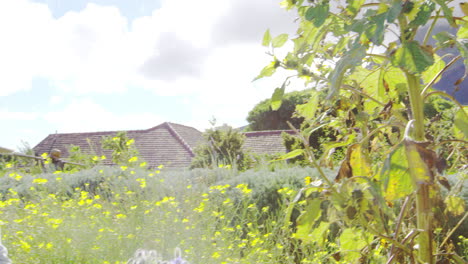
x=356 y=163
x=423 y=162
x=455 y=205
x=395 y=176
x=464 y=8
x=359 y=161
x=461 y=123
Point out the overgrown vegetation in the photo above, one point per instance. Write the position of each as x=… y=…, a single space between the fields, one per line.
x=373 y=80
x=398 y=193
x=103 y=215
x=123 y=148
x=222 y=146
x=264 y=117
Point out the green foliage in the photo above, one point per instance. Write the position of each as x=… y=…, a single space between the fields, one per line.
x=77 y=156
x=223 y=146
x=123 y=148
x=25 y=164
x=380 y=109
x=263 y=117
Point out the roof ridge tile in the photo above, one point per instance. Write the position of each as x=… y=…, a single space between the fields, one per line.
x=180 y=138
x=267 y=132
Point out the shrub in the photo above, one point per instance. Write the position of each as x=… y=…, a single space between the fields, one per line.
x=223 y=146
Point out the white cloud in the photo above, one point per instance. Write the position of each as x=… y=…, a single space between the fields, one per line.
x=56 y=99
x=85 y=115
x=98 y=50
x=247 y=20
x=22 y=27
x=6 y=115
x=206 y=51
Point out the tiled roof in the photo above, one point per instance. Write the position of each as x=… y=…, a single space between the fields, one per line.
x=265 y=142
x=168 y=144
x=5 y=150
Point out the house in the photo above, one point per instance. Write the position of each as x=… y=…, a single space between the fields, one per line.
x=265 y=142
x=168 y=144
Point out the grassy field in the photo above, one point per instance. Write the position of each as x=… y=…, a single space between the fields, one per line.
x=104 y=215
x=109 y=214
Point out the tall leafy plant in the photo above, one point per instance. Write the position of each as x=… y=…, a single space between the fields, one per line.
x=372 y=79
x=222 y=146
x=124 y=151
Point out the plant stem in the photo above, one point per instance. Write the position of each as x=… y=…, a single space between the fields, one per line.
x=417 y=109
x=419 y=173
x=429 y=31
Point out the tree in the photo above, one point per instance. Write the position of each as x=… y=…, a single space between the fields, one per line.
x=262 y=117
x=123 y=148
x=223 y=146
x=376 y=78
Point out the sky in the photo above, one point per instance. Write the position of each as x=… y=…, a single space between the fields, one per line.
x=100 y=65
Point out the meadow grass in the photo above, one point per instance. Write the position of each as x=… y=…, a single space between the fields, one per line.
x=106 y=214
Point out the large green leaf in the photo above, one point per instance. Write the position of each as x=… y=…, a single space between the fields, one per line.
x=318 y=14
x=352 y=241
x=354 y=6
x=424 y=13
x=277 y=98
x=266 y=38
x=306 y=221
x=320 y=233
x=267 y=70
x=376 y=29
x=395 y=78
x=290 y=155
x=412 y=57
x=447 y=12
x=395 y=176
x=433 y=70
x=463 y=31
x=394 y=10
x=308 y=109
x=461 y=42
x=371 y=82
x=444 y=39
x=461 y=123
x=462 y=46
x=279 y=40
x=287 y=4
x=352 y=58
